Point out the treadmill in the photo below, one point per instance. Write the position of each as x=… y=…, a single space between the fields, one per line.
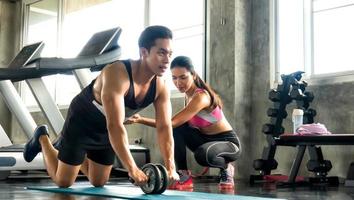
x=11 y=157
x=102 y=48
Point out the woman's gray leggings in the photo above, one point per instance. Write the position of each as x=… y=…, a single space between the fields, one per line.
x=209 y=150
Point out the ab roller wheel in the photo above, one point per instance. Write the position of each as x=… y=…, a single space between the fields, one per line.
x=154 y=177
x=157 y=179
x=163 y=179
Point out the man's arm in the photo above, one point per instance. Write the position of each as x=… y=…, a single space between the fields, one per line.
x=164 y=128
x=112 y=97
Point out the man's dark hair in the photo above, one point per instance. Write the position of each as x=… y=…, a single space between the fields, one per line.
x=151 y=33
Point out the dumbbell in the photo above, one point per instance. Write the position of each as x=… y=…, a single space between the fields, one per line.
x=273 y=112
x=309 y=96
x=281 y=87
x=302 y=104
x=270 y=129
x=319 y=166
x=265 y=165
x=157 y=179
x=274 y=95
x=309 y=114
x=297 y=94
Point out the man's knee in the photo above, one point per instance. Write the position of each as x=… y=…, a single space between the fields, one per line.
x=64 y=183
x=99 y=183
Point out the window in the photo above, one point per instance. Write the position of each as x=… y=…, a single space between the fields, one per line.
x=66 y=25
x=187 y=24
x=41 y=16
x=313 y=36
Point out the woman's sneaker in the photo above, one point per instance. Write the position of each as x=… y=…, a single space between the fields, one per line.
x=227 y=177
x=185 y=181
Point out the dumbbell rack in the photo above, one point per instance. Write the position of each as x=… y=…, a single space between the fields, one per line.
x=291 y=89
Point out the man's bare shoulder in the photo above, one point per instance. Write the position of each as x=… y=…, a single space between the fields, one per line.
x=117 y=66
x=161 y=86
x=161 y=82
x=115 y=70
x=114 y=77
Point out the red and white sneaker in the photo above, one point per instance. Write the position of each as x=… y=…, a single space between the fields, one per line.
x=185 y=181
x=227 y=177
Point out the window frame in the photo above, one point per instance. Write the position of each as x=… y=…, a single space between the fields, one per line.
x=147 y=16
x=308 y=44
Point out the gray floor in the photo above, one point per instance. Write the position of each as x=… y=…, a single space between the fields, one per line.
x=14 y=188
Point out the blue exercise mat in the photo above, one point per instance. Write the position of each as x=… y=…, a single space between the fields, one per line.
x=128 y=192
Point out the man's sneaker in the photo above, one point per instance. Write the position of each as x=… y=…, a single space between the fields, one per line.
x=227 y=177
x=33 y=147
x=185 y=181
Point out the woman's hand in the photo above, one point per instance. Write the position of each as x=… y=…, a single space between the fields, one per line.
x=133 y=119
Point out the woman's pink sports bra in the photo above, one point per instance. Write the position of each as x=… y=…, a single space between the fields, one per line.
x=204 y=118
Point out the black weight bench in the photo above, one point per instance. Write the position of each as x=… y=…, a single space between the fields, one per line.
x=301 y=142
x=333 y=139
x=292 y=88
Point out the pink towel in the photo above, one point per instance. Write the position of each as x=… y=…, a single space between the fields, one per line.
x=312 y=129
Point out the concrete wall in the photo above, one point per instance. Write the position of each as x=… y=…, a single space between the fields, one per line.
x=229 y=68
x=9 y=45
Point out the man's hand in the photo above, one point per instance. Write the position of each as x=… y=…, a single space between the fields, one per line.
x=173 y=176
x=139 y=177
x=133 y=119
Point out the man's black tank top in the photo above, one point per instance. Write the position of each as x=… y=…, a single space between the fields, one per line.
x=129 y=98
x=131 y=106
x=86 y=122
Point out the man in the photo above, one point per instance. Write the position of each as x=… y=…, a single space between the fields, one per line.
x=94 y=128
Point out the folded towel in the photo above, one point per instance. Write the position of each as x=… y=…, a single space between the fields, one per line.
x=312 y=129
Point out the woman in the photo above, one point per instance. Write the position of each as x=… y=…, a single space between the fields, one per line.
x=201 y=126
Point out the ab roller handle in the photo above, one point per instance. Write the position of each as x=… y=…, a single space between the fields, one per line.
x=157 y=179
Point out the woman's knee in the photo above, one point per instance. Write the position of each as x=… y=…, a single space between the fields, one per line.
x=200 y=156
x=236 y=154
x=212 y=154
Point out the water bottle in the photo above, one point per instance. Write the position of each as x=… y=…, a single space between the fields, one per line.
x=297 y=119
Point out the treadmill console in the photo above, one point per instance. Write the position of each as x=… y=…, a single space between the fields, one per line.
x=101 y=42
x=26 y=55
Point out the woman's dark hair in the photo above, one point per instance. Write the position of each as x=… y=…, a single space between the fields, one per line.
x=186 y=62
x=150 y=34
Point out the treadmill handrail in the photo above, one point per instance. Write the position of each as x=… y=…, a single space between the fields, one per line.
x=50 y=66
x=76 y=63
